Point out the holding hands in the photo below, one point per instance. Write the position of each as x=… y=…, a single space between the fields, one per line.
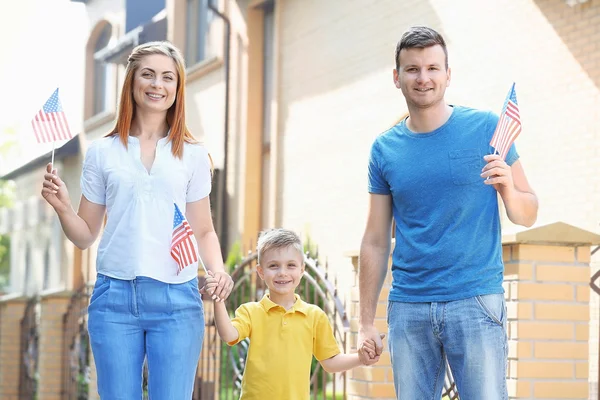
x=370 y=345
x=218 y=285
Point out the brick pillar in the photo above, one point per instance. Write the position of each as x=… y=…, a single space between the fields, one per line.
x=54 y=306
x=12 y=309
x=547 y=275
x=375 y=382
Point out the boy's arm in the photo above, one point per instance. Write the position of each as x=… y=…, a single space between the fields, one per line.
x=226 y=330
x=341 y=362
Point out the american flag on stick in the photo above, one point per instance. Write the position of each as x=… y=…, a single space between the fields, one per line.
x=183 y=246
x=509 y=125
x=50 y=123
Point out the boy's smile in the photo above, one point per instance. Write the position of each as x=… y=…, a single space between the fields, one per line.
x=282 y=270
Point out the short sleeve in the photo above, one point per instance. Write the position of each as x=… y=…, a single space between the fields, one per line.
x=512 y=155
x=199 y=185
x=242 y=323
x=93 y=186
x=377 y=182
x=324 y=344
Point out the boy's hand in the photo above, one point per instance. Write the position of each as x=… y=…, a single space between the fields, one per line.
x=224 y=285
x=218 y=285
x=368 y=353
x=209 y=285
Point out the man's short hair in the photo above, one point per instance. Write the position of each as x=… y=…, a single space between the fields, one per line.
x=419 y=37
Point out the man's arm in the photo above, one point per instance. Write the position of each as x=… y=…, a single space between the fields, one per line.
x=520 y=201
x=373 y=265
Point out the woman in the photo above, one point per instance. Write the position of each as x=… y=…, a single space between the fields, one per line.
x=149 y=175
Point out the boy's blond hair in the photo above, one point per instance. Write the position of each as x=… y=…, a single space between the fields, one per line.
x=278 y=238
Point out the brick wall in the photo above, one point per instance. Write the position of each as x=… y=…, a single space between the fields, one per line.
x=376 y=381
x=50 y=368
x=547 y=299
x=12 y=309
x=547 y=293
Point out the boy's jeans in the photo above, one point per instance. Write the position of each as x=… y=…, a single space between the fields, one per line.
x=130 y=320
x=471 y=333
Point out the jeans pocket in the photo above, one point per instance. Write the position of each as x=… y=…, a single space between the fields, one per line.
x=465 y=166
x=100 y=290
x=493 y=306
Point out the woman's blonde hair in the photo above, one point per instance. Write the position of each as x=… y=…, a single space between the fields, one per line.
x=178 y=131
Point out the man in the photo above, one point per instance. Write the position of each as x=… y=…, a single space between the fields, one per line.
x=434 y=175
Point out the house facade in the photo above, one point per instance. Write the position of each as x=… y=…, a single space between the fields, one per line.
x=288 y=96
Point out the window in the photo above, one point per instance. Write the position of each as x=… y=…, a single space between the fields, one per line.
x=199 y=19
x=103 y=75
x=140 y=12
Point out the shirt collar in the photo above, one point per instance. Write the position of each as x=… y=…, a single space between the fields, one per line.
x=299 y=305
x=162 y=141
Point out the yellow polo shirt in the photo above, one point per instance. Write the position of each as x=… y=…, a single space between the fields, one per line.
x=282 y=344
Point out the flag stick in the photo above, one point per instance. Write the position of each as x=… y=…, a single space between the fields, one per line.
x=52 y=162
x=202 y=262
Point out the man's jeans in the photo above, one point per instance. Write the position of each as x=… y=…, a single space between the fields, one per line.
x=133 y=319
x=471 y=333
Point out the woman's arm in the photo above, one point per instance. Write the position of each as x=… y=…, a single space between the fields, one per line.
x=81 y=228
x=200 y=219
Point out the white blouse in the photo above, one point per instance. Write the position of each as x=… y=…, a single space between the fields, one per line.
x=140 y=205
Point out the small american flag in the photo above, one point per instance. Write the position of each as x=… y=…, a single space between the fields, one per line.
x=183 y=246
x=509 y=125
x=50 y=123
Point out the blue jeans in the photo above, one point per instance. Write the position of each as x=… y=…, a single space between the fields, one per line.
x=469 y=333
x=131 y=320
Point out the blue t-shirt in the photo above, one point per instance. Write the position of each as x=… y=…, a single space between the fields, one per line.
x=448 y=244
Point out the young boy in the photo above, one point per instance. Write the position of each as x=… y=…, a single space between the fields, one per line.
x=284 y=331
